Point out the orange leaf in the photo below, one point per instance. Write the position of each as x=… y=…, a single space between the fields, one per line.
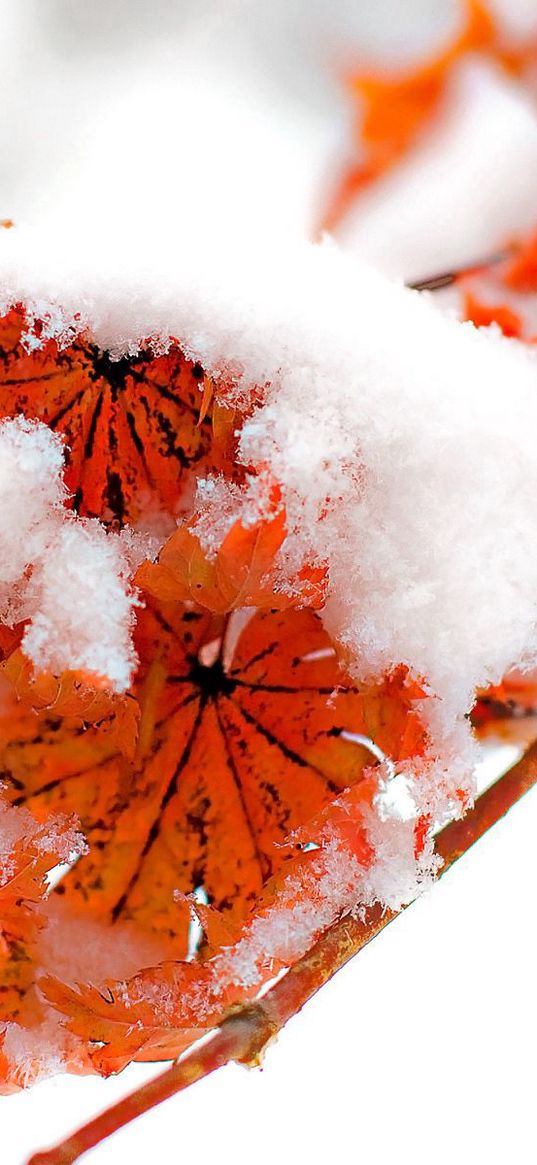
x=520 y=272
x=230 y=759
x=482 y=315
x=217 y=927
x=36 y=849
x=106 y=1016
x=241 y=574
x=74 y=696
x=503 y=290
x=162 y=1009
x=398 y=108
x=130 y=425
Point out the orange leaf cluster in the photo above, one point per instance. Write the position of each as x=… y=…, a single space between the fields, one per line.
x=228 y=761
x=233 y=783
x=240 y=749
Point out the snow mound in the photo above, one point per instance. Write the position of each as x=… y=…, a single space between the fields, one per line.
x=64 y=575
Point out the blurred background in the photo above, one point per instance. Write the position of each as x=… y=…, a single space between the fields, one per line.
x=236 y=117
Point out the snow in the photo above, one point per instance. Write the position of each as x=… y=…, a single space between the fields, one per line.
x=65 y=575
x=384 y=421
x=333 y=883
x=14 y=826
x=77 y=947
x=59 y=837
x=220 y=503
x=90 y=628
x=31 y=493
x=34 y=1053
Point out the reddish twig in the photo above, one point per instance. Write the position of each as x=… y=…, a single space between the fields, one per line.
x=243 y=1036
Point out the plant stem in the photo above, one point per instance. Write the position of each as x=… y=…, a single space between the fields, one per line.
x=227 y=1044
x=446 y=278
x=243 y=1035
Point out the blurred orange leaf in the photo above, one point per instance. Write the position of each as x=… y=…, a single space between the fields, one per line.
x=395 y=109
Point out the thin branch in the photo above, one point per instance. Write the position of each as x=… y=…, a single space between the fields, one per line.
x=228 y=1043
x=243 y=1035
x=435 y=282
x=447 y=278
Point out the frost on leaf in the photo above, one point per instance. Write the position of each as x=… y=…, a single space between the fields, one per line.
x=230 y=759
x=131 y=426
x=28 y=852
x=238 y=764
x=241 y=571
x=161 y=1010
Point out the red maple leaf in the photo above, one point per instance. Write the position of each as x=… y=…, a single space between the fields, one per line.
x=231 y=757
x=132 y=426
